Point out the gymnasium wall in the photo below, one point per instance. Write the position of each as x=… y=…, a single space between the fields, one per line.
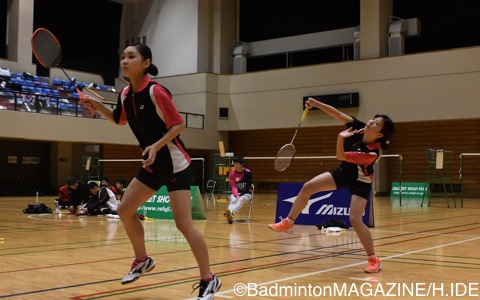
x=411 y=140
x=421 y=92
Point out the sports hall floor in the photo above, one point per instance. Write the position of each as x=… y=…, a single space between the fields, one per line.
x=427 y=253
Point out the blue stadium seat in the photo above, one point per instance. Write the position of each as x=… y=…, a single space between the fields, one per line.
x=62 y=107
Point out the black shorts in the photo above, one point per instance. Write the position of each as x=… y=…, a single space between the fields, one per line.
x=175 y=182
x=354 y=186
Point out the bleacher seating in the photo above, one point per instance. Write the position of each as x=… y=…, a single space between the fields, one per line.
x=22 y=91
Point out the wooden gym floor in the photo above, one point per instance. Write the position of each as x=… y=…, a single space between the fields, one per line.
x=427 y=253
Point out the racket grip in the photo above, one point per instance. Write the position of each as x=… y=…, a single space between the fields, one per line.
x=305 y=112
x=91 y=109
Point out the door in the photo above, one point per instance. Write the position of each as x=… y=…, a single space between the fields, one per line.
x=24 y=168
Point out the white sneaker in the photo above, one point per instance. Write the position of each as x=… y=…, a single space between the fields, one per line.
x=138 y=269
x=207 y=288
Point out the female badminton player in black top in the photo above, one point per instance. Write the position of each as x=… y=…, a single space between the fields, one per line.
x=148 y=109
x=358 y=147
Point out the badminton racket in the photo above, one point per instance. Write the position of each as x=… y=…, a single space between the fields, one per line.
x=48 y=52
x=287 y=152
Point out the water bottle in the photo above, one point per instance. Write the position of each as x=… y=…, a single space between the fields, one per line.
x=57 y=208
x=36 y=198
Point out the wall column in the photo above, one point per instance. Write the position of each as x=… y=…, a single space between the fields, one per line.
x=374 y=22
x=223 y=27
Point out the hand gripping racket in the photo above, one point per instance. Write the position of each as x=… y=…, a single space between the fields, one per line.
x=287 y=152
x=47 y=50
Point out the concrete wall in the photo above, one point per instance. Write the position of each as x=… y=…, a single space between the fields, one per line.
x=439 y=85
x=431 y=86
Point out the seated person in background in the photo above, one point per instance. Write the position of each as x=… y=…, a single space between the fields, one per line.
x=106 y=182
x=241 y=184
x=78 y=194
x=121 y=186
x=102 y=201
x=62 y=200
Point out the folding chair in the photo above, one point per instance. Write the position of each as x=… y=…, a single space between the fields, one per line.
x=249 y=217
x=210 y=191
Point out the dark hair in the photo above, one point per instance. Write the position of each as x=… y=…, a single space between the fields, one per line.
x=92 y=184
x=239 y=160
x=106 y=179
x=121 y=180
x=71 y=181
x=146 y=53
x=387 y=130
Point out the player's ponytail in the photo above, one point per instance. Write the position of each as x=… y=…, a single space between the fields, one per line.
x=146 y=53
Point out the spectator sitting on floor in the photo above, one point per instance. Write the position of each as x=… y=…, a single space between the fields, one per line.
x=62 y=199
x=102 y=201
x=78 y=194
x=106 y=182
x=121 y=186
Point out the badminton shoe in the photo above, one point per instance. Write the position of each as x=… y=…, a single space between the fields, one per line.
x=283 y=226
x=138 y=269
x=229 y=216
x=207 y=289
x=374 y=265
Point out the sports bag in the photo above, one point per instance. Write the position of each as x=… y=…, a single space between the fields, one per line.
x=37 y=209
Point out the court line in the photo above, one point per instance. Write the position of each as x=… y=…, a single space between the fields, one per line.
x=345 y=266
x=249 y=269
x=331 y=254
x=226 y=273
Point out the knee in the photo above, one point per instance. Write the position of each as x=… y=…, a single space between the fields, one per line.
x=124 y=212
x=307 y=188
x=182 y=226
x=355 y=220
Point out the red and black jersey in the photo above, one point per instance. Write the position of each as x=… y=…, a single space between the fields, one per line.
x=150 y=112
x=63 y=193
x=360 y=157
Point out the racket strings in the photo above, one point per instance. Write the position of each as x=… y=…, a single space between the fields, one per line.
x=284 y=157
x=46 y=49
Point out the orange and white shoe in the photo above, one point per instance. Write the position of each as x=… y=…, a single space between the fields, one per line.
x=374 y=265
x=282 y=226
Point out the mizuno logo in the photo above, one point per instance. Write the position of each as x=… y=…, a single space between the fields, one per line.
x=325 y=209
x=306 y=210
x=329 y=209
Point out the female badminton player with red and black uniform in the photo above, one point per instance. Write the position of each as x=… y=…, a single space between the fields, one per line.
x=358 y=147
x=148 y=109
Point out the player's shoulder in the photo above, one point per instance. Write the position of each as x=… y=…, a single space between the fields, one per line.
x=159 y=88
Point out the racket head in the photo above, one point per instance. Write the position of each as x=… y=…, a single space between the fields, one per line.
x=284 y=157
x=46 y=48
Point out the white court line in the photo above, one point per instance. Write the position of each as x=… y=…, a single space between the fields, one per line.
x=369 y=279
x=426 y=233
x=342 y=267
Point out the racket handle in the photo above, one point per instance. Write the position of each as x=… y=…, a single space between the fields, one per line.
x=91 y=109
x=305 y=112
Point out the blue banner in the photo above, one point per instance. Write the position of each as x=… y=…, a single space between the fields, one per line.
x=321 y=206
